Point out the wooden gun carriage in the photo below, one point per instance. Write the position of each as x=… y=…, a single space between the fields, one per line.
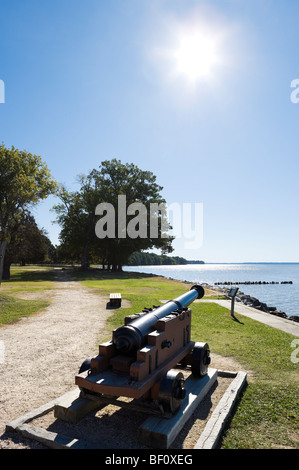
x=140 y=361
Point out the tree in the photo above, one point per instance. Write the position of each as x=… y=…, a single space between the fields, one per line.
x=31 y=244
x=77 y=215
x=143 y=259
x=24 y=181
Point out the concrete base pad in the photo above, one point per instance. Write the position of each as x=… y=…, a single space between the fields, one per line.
x=159 y=433
x=154 y=432
x=49 y=439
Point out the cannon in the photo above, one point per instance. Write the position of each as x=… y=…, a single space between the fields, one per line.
x=146 y=356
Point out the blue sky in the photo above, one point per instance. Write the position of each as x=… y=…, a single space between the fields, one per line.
x=95 y=80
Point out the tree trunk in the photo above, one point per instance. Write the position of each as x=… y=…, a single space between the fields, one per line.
x=84 y=259
x=6 y=269
x=2 y=258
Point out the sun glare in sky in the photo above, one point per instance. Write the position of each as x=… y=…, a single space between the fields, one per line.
x=195 y=55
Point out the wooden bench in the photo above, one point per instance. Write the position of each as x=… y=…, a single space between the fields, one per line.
x=115 y=300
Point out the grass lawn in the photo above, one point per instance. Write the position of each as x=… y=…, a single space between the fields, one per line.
x=23 y=279
x=12 y=308
x=267 y=415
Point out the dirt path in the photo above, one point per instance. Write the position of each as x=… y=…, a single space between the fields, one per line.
x=43 y=353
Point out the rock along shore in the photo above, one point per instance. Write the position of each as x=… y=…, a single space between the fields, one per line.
x=253 y=302
x=247 y=299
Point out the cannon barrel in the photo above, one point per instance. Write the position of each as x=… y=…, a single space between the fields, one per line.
x=128 y=338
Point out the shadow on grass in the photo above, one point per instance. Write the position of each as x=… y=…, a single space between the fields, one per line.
x=32 y=276
x=64 y=274
x=100 y=275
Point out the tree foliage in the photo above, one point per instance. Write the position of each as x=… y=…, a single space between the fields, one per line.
x=77 y=214
x=146 y=259
x=24 y=180
x=31 y=244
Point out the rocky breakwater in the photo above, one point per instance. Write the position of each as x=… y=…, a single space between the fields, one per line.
x=255 y=303
x=249 y=283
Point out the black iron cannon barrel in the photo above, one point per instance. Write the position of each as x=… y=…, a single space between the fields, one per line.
x=130 y=337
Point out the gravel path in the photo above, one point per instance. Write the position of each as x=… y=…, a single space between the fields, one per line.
x=43 y=353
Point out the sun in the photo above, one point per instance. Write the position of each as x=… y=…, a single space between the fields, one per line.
x=195 y=55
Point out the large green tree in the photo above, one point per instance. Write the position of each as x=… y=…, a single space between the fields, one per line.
x=78 y=214
x=25 y=180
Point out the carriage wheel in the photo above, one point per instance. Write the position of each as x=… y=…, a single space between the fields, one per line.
x=172 y=391
x=200 y=359
x=85 y=365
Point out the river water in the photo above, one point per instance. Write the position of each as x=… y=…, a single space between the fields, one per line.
x=284 y=297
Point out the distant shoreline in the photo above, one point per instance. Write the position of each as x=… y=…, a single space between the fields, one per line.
x=246 y=299
x=259 y=262
x=205 y=263
x=252 y=294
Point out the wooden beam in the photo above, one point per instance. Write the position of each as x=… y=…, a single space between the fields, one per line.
x=72 y=410
x=214 y=427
